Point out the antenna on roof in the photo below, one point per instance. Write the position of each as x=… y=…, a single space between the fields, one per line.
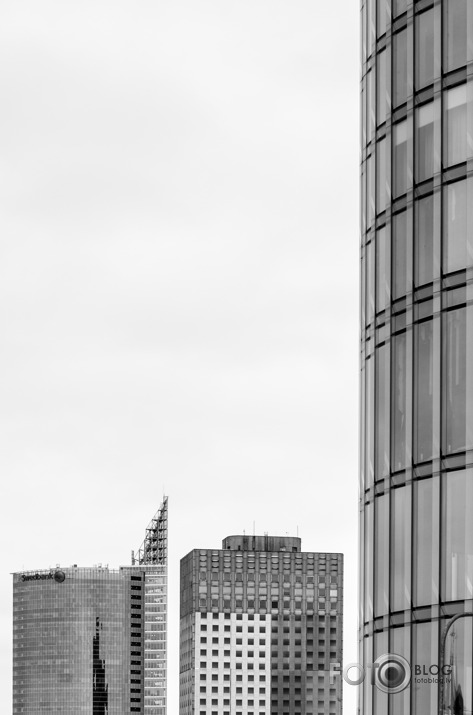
x=253 y=528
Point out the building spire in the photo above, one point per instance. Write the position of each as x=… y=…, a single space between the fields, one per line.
x=154 y=549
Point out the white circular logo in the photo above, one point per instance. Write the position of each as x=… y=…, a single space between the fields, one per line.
x=393 y=673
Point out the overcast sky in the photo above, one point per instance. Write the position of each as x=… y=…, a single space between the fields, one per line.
x=178 y=282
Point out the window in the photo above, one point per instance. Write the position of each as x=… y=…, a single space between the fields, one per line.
x=368 y=562
x=457 y=245
x=401 y=254
x=400 y=548
x=382 y=187
x=400 y=168
x=426 y=541
x=427 y=47
x=381 y=88
x=457 y=548
x=370 y=278
x=426 y=380
x=457 y=137
x=382 y=407
x=427 y=143
x=427 y=240
x=458 y=366
x=425 y=650
x=400 y=68
x=382 y=555
x=371 y=8
x=399 y=7
x=383 y=270
x=381 y=15
x=399 y=399
x=370 y=189
x=457 y=27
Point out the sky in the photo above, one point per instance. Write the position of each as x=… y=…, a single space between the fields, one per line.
x=178 y=283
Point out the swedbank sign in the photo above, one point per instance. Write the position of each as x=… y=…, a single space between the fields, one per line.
x=58 y=576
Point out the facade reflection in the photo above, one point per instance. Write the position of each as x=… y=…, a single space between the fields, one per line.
x=416 y=484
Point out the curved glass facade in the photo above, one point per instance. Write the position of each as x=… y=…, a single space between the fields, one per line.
x=416 y=476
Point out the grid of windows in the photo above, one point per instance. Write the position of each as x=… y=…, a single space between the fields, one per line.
x=251 y=618
x=416 y=339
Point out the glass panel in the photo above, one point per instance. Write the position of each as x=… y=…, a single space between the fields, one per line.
x=401 y=645
x=380 y=699
x=362 y=422
x=458 y=249
x=371 y=104
x=368 y=555
x=370 y=265
x=381 y=93
x=427 y=239
x=426 y=542
x=399 y=6
x=369 y=435
x=458 y=380
x=455 y=29
x=382 y=411
x=427 y=141
x=455 y=140
x=371 y=7
x=458 y=652
x=401 y=548
x=400 y=417
x=427 y=47
x=381 y=177
x=425 y=652
x=400 y=158
x=457 y=536
x=370 y=186
x=383 y=270
x=381 y=569
x=368 y=688
x=362 y=287
x=382 y=17
x=426 y=386
x=400 y=68
x=402 y=254
x=363 y=198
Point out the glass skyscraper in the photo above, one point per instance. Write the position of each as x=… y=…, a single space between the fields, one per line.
x=416 y=486
x=93 y=640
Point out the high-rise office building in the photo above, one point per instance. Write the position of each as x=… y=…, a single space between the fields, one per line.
x=260 y=624
x=416 y=487
x=93 y=640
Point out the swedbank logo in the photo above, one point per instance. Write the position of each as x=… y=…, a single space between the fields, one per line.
x=58 y=576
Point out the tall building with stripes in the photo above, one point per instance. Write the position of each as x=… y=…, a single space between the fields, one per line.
x=260 y=625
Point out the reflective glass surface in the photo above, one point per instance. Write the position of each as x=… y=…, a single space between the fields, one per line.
x=417 y=343
x=72 y=643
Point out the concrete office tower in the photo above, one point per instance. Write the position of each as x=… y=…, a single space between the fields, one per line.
x=92 y=640
x=416 y=488
x=260 y=624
